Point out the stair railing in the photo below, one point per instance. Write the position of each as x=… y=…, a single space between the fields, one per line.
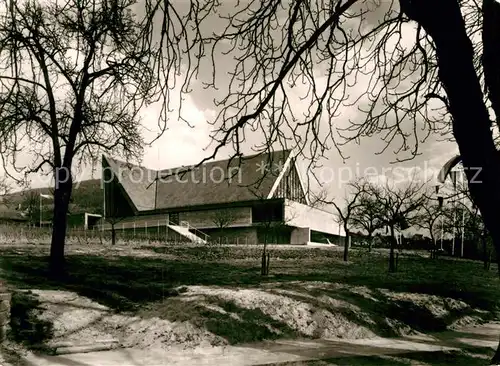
x=188 y=226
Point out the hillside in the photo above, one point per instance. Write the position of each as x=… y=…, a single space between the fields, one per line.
x=87 y=196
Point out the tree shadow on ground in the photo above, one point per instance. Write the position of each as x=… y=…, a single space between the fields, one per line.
x=381 y=314
x=223 y=318
x=122 y=283
x=125 y=282
x=240 y=325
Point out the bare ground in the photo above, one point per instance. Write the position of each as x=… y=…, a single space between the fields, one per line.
x=302 y=309
x=77 y=320
x=312 y=294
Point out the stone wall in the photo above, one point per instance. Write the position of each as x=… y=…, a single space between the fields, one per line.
x=5 y=297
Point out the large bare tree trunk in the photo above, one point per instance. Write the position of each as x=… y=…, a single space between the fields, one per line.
x=62 y=196
x=444 y=22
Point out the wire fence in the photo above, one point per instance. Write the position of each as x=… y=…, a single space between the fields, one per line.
x=157 y=230
x=125 y=233
x=160 y=231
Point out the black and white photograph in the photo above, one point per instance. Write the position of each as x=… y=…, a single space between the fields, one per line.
x=249 y=182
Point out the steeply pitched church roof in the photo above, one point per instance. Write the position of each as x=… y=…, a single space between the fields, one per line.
x=136 y=181
x=217 y=182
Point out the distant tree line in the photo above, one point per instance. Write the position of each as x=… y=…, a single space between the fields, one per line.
x=411 y=215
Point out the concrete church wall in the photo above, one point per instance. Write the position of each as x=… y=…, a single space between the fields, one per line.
x=300 y=215
x=233 y=235
x=300 y=236
x=204 y=219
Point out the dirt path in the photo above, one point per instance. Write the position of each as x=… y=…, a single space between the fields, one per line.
x=468 y=346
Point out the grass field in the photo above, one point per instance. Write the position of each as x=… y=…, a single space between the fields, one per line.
x=239 y=305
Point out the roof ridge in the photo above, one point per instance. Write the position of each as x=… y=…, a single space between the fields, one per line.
x=120 y=161
x=244 y=157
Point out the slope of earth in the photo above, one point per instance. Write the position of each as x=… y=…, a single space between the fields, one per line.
x=190 y=297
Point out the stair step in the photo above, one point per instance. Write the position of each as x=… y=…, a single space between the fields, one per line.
x=186 y=233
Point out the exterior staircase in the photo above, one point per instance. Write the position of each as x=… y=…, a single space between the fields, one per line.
x=184 y=231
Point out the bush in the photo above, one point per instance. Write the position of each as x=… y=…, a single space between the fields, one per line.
x=25 y=326
x=212 y=251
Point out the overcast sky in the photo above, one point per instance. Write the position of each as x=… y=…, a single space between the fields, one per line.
x=185 y=145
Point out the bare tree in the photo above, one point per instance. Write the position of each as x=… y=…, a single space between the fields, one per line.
x=430 y=213
x=399 y=209
x=113 y=220
x=273 y=227
x=5 y=189
x=273 y=220
x=366 y=216
x=223 y=218
x=30 y=206
x=352 y=202
x=270 y=228
x=476 y=232
x=74 y=76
